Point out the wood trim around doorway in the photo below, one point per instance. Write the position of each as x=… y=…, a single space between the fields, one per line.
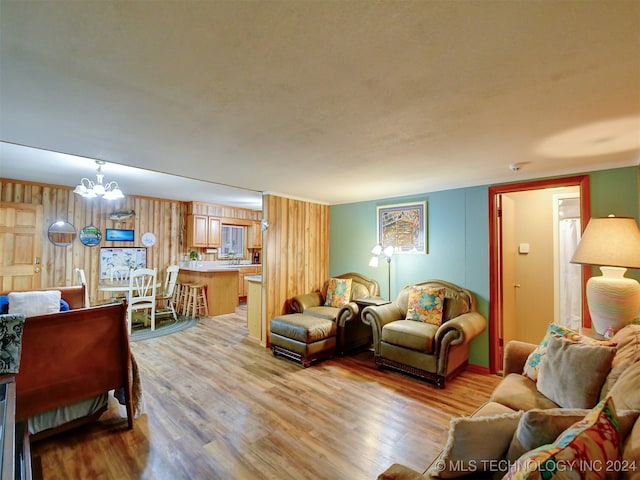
x=495 y=274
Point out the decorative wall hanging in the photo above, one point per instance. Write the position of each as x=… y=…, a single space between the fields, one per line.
x=119 y=235
x=90 y=236
x=121 y=215
x=403 y=226
x=148 y=239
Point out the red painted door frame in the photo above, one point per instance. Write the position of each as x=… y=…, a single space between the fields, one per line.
x=495 y=272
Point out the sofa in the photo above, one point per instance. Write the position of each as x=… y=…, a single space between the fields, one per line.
x=351 y=333
x=525 y=426
x=434 y=348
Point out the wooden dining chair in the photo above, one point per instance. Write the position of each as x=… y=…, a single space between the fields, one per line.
x=141 y=294
x=120 y=274
x=82 y=280
x=165 y=301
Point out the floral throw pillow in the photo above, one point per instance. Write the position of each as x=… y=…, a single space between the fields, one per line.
x=425 y=304
x=338 y=292
x=587 y=449
x=532 y=365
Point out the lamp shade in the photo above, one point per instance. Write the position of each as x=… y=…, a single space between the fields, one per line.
x=610 y=241
x=613 y=243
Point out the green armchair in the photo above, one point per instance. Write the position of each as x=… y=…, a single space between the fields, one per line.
x=434 y=353
x=351 y=334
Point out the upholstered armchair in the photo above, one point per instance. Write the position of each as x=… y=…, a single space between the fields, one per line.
x=432 y=352
x=351 y=332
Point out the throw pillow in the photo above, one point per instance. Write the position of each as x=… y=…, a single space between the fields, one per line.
x=573 y=373
x=338 y=292
x=627 y=340
x=425 y=304
x=468 y=448
x=10 y=342
x=35 y=303
x=539 y=427
x=625 y=390
x=64 y=306
x=4 y=304
x=537 y=357
x=587 y=449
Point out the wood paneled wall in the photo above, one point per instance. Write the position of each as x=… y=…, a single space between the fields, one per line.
x=295 y=251
x=295 y=254
x=223 y=211
x=164 y=218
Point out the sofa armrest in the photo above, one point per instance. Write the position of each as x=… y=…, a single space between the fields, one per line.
x=377 y=316
x=347 y=313
x=300 y=303
x=515 y=356
x=461 y=329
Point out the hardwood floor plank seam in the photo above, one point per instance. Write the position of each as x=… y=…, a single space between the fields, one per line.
x=220 y=406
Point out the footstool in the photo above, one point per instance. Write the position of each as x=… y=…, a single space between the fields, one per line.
x=303 y=338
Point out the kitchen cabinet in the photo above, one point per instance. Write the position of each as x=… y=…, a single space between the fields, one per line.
x=203 y=231
x=255 y=235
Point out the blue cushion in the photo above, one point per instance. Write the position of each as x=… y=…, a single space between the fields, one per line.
x=64 y=306
x=4 y=304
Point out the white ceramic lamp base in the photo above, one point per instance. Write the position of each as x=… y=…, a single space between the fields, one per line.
x=613 y=299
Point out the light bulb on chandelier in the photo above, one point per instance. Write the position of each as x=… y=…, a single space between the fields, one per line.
x=89 y=189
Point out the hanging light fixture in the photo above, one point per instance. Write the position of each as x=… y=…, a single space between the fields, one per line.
x=89 y=189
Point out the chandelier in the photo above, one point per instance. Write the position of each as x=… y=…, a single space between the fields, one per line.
x=88 y=189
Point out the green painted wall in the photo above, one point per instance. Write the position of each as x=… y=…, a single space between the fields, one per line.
x=457 y=239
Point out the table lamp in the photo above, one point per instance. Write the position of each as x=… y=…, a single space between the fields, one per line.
x=613 y=243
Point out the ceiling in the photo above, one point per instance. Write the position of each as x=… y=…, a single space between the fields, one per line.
x=326 y=101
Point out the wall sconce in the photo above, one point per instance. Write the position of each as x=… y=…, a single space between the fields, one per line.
x=386 y=252
x=613 y=243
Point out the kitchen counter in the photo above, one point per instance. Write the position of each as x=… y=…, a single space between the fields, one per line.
x=235 y=268
x=221 y=283
x=214 y=267
x=254 y=308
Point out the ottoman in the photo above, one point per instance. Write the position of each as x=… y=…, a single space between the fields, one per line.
x=303 y=338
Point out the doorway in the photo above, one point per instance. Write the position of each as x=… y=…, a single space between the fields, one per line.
x=525 y=285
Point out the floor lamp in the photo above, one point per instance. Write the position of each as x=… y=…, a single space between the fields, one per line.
x=386 y=252
x=613 y=243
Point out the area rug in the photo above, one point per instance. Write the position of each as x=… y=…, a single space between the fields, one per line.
x=164 y=326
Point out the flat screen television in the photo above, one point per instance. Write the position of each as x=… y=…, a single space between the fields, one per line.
x=119 y=235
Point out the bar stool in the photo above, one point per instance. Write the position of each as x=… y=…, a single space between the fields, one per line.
x=182 y=297
x=176 y=298
x=197 y=300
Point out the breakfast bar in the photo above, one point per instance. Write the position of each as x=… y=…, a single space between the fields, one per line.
x=221 y=284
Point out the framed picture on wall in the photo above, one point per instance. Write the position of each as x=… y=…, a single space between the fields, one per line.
x=403 y=226
x=119 y=235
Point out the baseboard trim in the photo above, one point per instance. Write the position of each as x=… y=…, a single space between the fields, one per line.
x=478 y=369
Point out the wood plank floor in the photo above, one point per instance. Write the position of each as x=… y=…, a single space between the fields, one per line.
x=220 y=406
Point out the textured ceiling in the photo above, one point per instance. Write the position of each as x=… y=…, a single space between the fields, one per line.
x=329 y=101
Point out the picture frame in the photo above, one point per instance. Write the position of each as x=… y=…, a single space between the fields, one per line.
x=403 y=226
x=114 y=257
x=119 y=235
